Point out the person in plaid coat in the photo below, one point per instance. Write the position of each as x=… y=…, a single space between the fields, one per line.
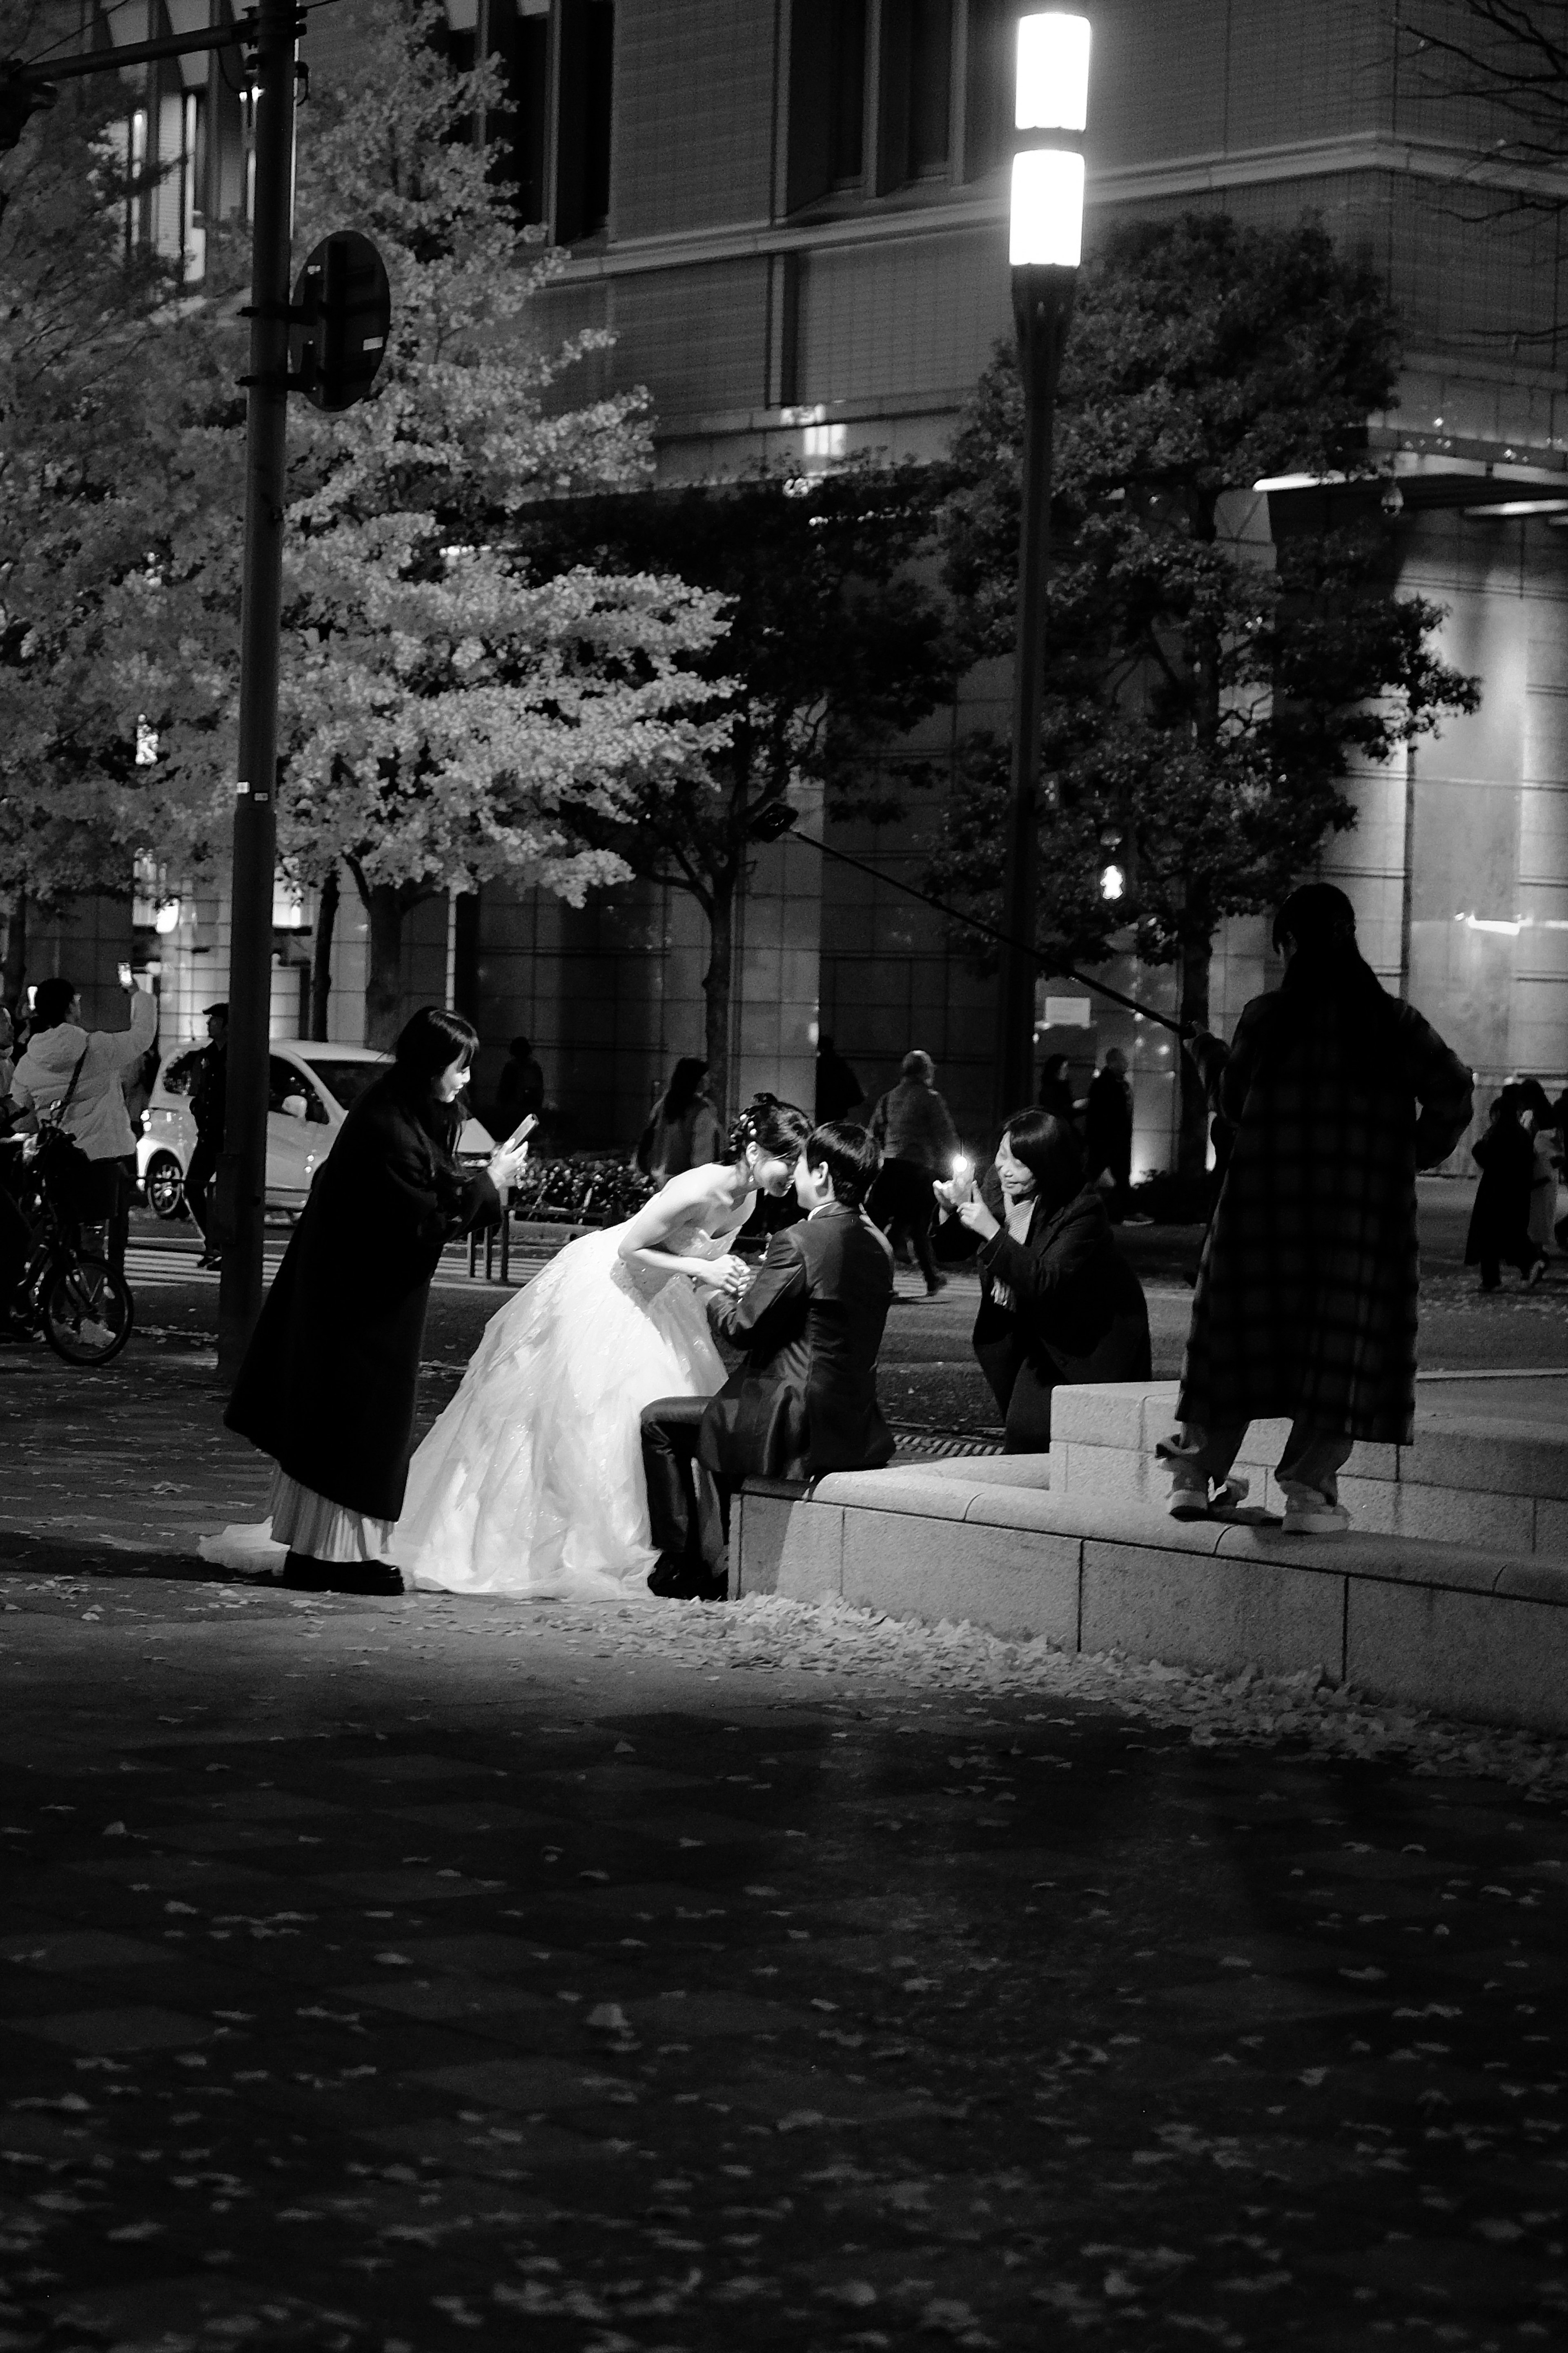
x=1305 y=1307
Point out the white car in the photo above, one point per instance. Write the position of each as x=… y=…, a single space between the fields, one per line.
x=311 y=1087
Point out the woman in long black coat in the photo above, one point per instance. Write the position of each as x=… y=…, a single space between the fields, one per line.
x=327 y=1384
x=1308 y=1290
x=1059 y=1303
x=1499 y=1222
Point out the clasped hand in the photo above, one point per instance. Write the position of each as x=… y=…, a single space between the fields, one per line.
x=729 y=1274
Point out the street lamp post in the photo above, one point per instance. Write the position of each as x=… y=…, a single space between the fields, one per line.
x=242 y=1166
x=1044 y=246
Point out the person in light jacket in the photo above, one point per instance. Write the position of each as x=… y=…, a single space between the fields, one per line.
x=915 y=1130
x=96 y=1115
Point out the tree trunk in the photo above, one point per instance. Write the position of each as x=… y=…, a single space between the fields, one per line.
x=321 y=955
x=384 y=982
x=716 y=991
x=1192 y=1133
x=15 y=959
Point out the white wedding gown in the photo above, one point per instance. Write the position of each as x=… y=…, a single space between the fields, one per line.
x=530 y=1483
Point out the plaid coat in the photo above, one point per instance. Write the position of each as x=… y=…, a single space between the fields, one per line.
x=1307 y=1288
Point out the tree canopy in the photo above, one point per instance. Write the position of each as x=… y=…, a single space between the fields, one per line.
x=834 y=646
x=78 y=511
x=1206 y=695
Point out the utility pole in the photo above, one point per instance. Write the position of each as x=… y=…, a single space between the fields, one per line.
x=242 y=1166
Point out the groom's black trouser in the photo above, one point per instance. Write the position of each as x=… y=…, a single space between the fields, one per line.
x=688 y=1507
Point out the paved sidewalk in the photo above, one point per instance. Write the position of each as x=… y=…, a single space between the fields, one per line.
x=392 y=1977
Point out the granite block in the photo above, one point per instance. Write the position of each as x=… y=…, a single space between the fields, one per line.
x=1464 y=1515
x=1222 y=1612
x=987 y=1469
x=1535 y=1580
x=1366 y=1556
x=1468 y=1654
x=1101 y=1413
x=786 y=1546
x=1010 y=1579
x=897 y=1491
x=1503 y=1458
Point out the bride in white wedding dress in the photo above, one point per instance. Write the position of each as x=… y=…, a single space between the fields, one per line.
x=530 y=1483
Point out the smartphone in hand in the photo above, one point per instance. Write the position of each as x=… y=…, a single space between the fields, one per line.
x=521 y=1133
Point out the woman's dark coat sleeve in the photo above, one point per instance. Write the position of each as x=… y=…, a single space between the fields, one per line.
x=328 y=1386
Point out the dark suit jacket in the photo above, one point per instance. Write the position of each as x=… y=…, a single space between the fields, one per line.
x=1076 y=1313
x=805 y=1399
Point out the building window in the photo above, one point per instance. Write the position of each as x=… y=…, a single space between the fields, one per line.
x=586 y=78
x=915 y=95
x=869 y=70
x=846 y=92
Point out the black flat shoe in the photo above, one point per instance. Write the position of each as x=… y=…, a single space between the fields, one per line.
x=674 y=1579
x=375 y=1578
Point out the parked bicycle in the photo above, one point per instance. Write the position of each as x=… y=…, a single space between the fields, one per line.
x=76 y=1299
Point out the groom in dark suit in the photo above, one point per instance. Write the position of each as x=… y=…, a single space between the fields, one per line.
x=805 y=1400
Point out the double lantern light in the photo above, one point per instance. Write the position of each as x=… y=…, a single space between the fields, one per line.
x=1046 y=216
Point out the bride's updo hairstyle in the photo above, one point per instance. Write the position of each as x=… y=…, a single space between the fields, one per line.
x=778 y=1129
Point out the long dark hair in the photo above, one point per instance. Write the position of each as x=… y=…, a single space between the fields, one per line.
x=1327 y=983
x=685 y=1086
x=779 y=1129
x=429 y=1042
x=1050 y=1151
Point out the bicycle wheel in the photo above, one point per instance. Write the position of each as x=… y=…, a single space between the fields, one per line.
x=87 y=1310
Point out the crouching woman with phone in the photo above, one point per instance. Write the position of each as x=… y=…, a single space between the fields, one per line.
x=328 y=1385
x=1057 y=1300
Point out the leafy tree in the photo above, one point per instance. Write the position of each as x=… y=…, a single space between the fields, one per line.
x=437 y=703
x=1203 y=708
x=835 y=647
x=77 y=514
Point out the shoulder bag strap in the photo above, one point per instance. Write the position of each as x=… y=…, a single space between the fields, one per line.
x=57 y=1117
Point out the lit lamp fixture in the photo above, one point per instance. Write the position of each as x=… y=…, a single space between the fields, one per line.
x=1044 y=245
x=1112 y=882
x=167 y=918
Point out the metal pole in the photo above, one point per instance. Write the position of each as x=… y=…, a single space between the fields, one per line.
x=1042 y=304
x=242 y=1166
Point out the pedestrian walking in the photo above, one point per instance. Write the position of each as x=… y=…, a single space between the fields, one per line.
x=327 y=1384
x=519 y=1089
x=209 y=1101
x=1546 y=1151
x=1499 y=1222
x=1306 y=1305
x=837 y=1088
x=77 y=1073
x=1058 y=1300
x=1056 y=1092
x=685 y=1130
x=918 y=1142
x=1108 y=1134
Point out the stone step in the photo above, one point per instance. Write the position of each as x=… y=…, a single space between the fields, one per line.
x=1499 y=1485
x=1092 y=1562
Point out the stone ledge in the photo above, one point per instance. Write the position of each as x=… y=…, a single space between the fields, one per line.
x=1498 y=1455
x=1467 y=1630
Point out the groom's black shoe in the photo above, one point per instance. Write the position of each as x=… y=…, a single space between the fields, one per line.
x=376 y=1577
x=675 y=1579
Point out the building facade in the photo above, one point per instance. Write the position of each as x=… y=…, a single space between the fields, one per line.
x=791 y=215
